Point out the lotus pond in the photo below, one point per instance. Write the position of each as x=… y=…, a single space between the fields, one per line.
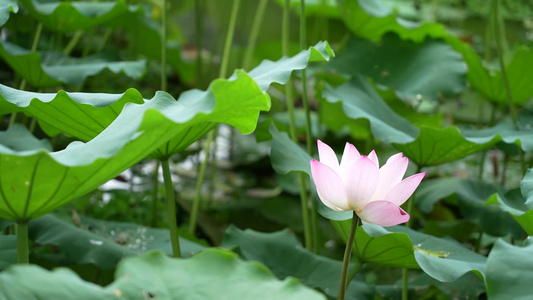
x=267 y=149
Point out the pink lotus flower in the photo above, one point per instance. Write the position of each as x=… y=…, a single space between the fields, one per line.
x=359 y=184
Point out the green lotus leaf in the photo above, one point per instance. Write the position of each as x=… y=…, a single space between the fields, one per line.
x=45 y=69
x=264 y=75
x=80 y=246
x=84 y=115
x=399 y=246
x=154 y=275
x=81 y=115
x=41 y=181
x=138 y=238
x=372 y=19
x=425 y=146
x=489 y=82
x=509 y=271
x=526 y=186
x=472 y=195
x=69 y=16
x=8 y=251
x=505 y=131
x=433 y=190
x=434 y=146
x=360 y=100
x=100 y=243
x=513 y=203
x=7 y=7
x=416 y=71
x=284 y=256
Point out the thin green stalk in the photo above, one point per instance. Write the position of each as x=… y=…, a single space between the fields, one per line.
x=22 y=85
x=22 y=243
x=229 y=39
x=211 y=135
x=500 y=54
x=164 y=46
x=405 y=284
x=305 y=100
x=405 y=287
x=305 y=217
x=33 y=124
x=37 y=37
x=478 y=241
x=155 y=187
x=171 y=209
x=346 y=260
x=73 y=42
x=201 y=174
x=103 y=40
x=484 y=153
x=354 y=271
x=292 y=128
x=308 y=129
x=254 y=33
x=198 y=41
x=499 y=35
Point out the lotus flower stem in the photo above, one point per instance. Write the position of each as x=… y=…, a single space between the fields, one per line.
x=22 y=85
x=495 y=5
x=405 y=284
x=499 y=36
x=22 y=243
x=164 y=45
x=254 y=33
x=211 y=134
x=171 y=209
x=199 y=30
x=289 y=94
x=308 y=132
x=155 y=187
x=72 y=43
x=346 y=260
x=405 y=277
x=201 y=176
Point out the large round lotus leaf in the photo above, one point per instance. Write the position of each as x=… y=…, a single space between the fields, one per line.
x=80 y=115
x=526 y=186
x=284 y=255
x=85 y=115
x=264 y=75
x=45 y=69
x=40 y=181
x=360 y=100
x=434 y=146
x=399 y=246
x=71 y=16
x=490 y=83
x=7 y=7
x=372 y=19
x=506 y=131
x=509 y=273
x=211 y=274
